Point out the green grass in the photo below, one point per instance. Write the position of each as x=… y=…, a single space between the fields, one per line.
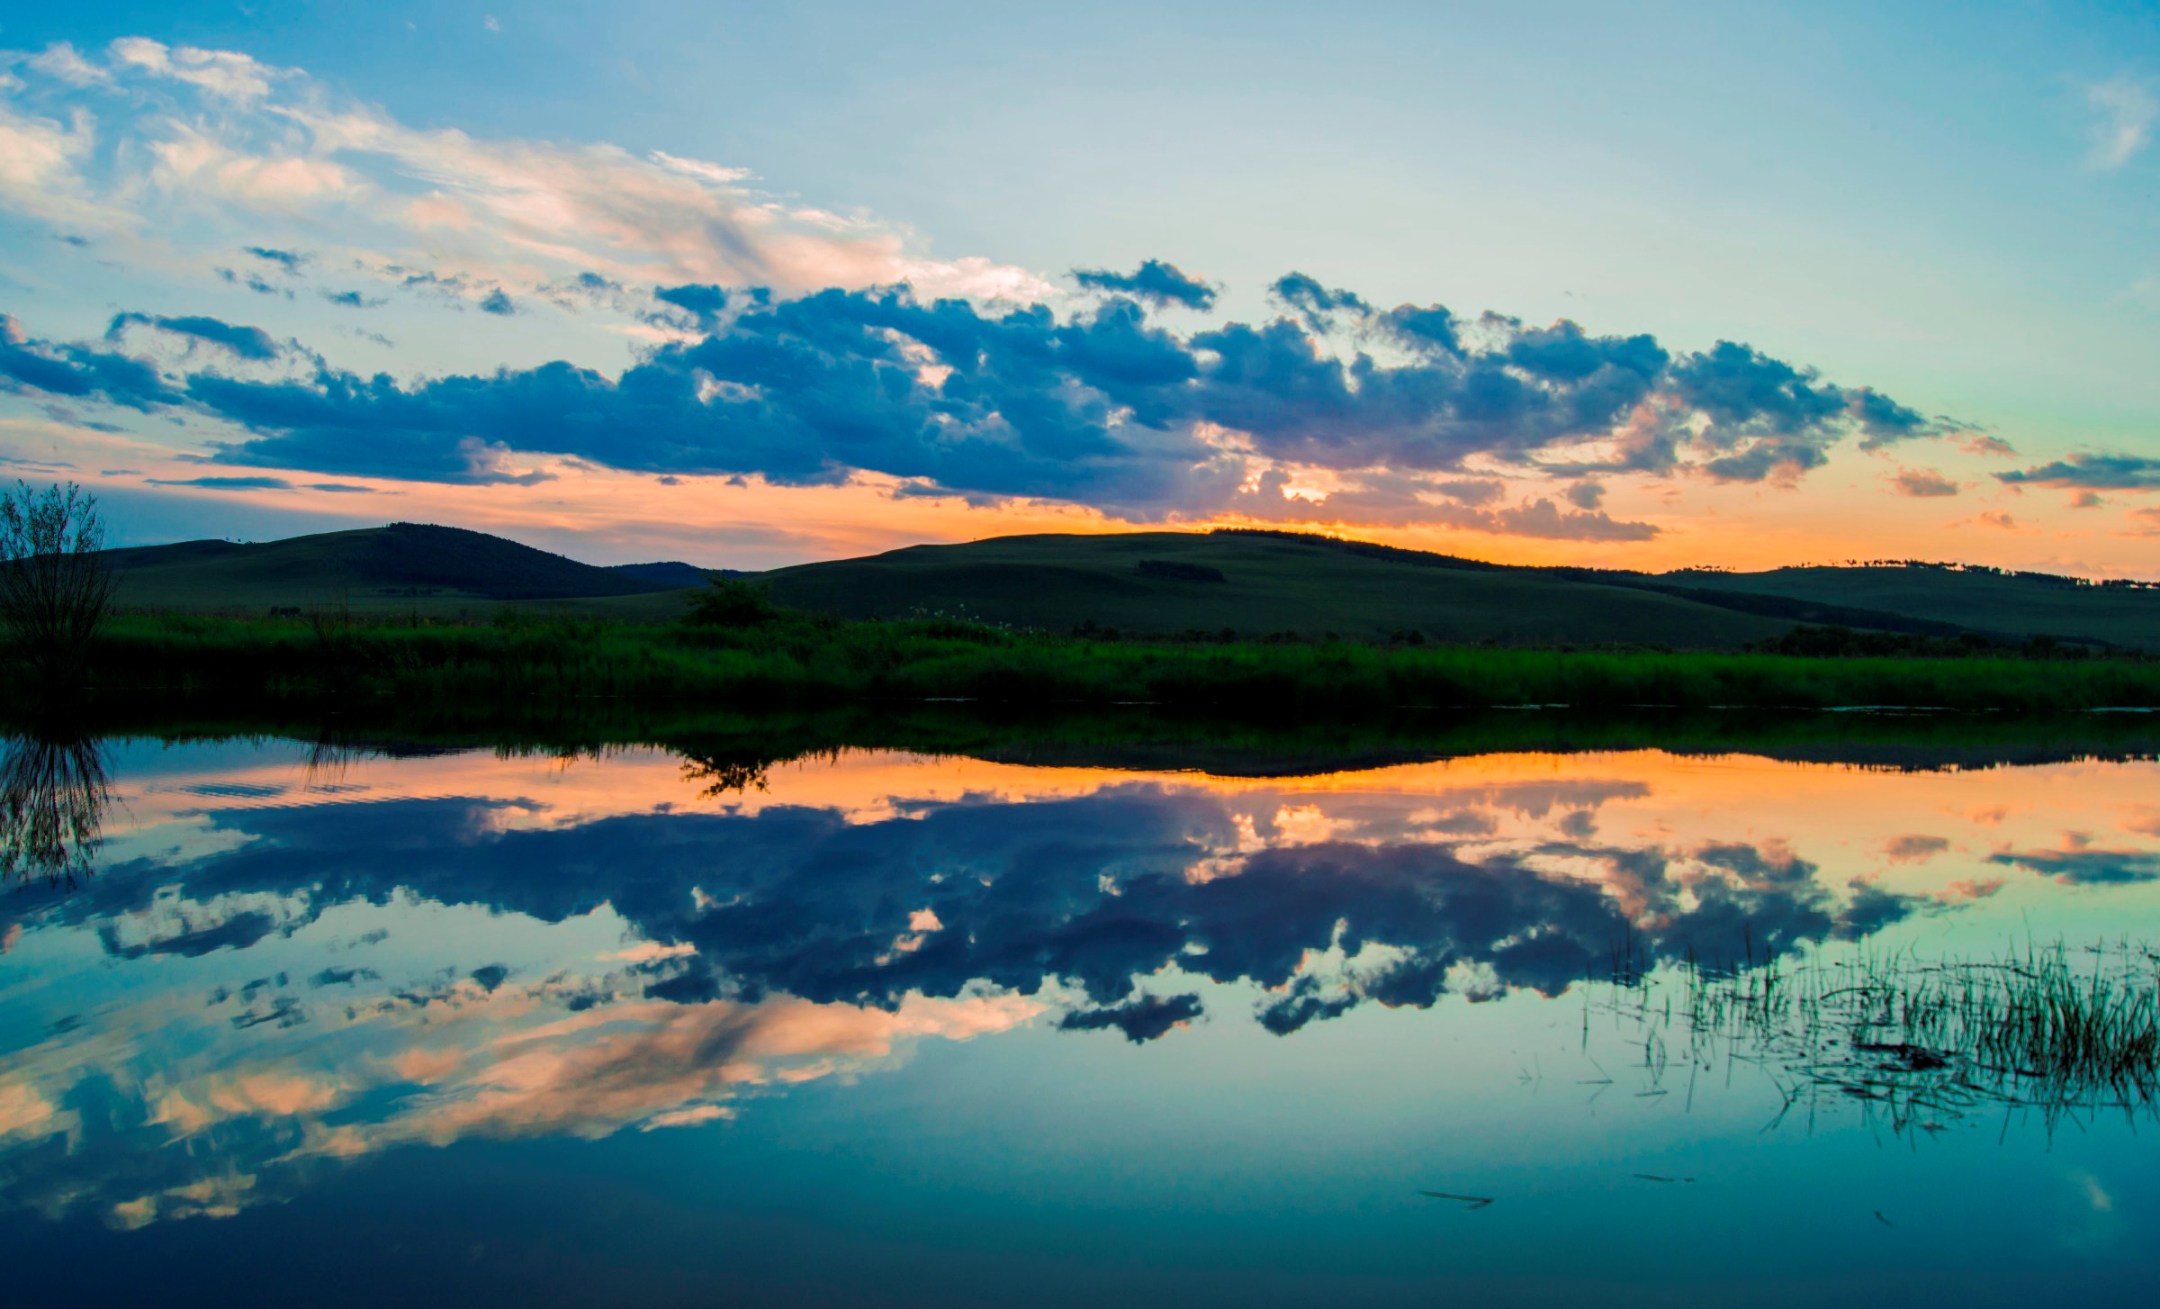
x=797 y=660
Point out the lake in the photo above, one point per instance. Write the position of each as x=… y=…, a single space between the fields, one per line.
x=288 y=1023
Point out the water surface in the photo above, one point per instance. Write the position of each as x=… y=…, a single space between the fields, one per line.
x=286 y=1024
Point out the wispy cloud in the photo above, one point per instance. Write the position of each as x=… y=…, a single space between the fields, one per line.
x=137 y=137
x=2125 y=110
x=1922 y=483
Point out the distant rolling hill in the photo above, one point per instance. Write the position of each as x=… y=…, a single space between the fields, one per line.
x=1262 y=582
x=1257 y=584
x=401 y=566
x=2011 y=604
x=1253 y=583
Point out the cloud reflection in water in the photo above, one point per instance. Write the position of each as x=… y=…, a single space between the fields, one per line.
x=351 y=971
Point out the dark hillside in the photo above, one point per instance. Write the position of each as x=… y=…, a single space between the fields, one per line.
x=1256 y=584
x=401 y=563
x=2012 y=604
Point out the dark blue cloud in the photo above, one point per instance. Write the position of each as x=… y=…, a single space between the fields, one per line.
x=1154 y=281
x=1316 y=304
x=352 y=299
x=73 y=369
x=226 y=483
x=498 y=302
x=2090 y=472
x=246 y=342
x=1102 y=406
x=704 y=304
x=253 y=282
x=289 y=260
x=2086 y=867
x=1142 y=1019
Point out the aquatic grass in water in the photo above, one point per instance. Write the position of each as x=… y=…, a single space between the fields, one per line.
x=1924 y=1040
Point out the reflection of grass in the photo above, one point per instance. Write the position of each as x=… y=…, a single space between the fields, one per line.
x=801 y=660
x=1135 y=737
x=1924 y=1041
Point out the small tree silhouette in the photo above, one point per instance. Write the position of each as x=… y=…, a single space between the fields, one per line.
x=732 y=602
x=54 y=585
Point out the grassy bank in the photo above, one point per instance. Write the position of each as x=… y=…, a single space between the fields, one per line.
x=800 y=661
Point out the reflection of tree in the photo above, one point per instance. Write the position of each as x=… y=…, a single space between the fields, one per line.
x=726 y=766
x=53 y=793
x=723 y=775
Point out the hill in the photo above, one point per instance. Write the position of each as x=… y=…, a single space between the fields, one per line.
x=1256 y=584
x=2017 y=605
x=401 y=566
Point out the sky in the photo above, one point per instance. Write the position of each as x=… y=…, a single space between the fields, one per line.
x=746 y=285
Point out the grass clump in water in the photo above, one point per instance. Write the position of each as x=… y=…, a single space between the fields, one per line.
x=1925 y=1041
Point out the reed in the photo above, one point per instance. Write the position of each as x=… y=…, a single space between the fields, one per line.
x=2039 y=1028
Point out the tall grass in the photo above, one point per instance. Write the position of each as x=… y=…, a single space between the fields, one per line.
x=796 y=660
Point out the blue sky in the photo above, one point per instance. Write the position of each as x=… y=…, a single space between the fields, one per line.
x=1947 y=211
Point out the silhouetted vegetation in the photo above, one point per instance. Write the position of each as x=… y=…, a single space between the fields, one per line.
x=731 y=602
x=1845 y=643
x=758 y=656
x=54 y=585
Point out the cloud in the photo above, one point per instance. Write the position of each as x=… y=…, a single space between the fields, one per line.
x=1914 y=849
x=246 y=342
x=2095 y=471
x=226 y=483
x=289 y=260
x=1315 y=304
x=1922 y=483
x=703 y=304
x=239 y=146
x=1101 y=407
x=253 y=282
x=2124 y=111
x=63 y=62
x=1142 y=1019
x=78 y=370
x=2086 y=867
x=226 y=75
x=1155 y=281
x=804 y=347
x=1541 y=518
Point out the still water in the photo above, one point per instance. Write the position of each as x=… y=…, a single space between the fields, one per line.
x=281 y=1025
